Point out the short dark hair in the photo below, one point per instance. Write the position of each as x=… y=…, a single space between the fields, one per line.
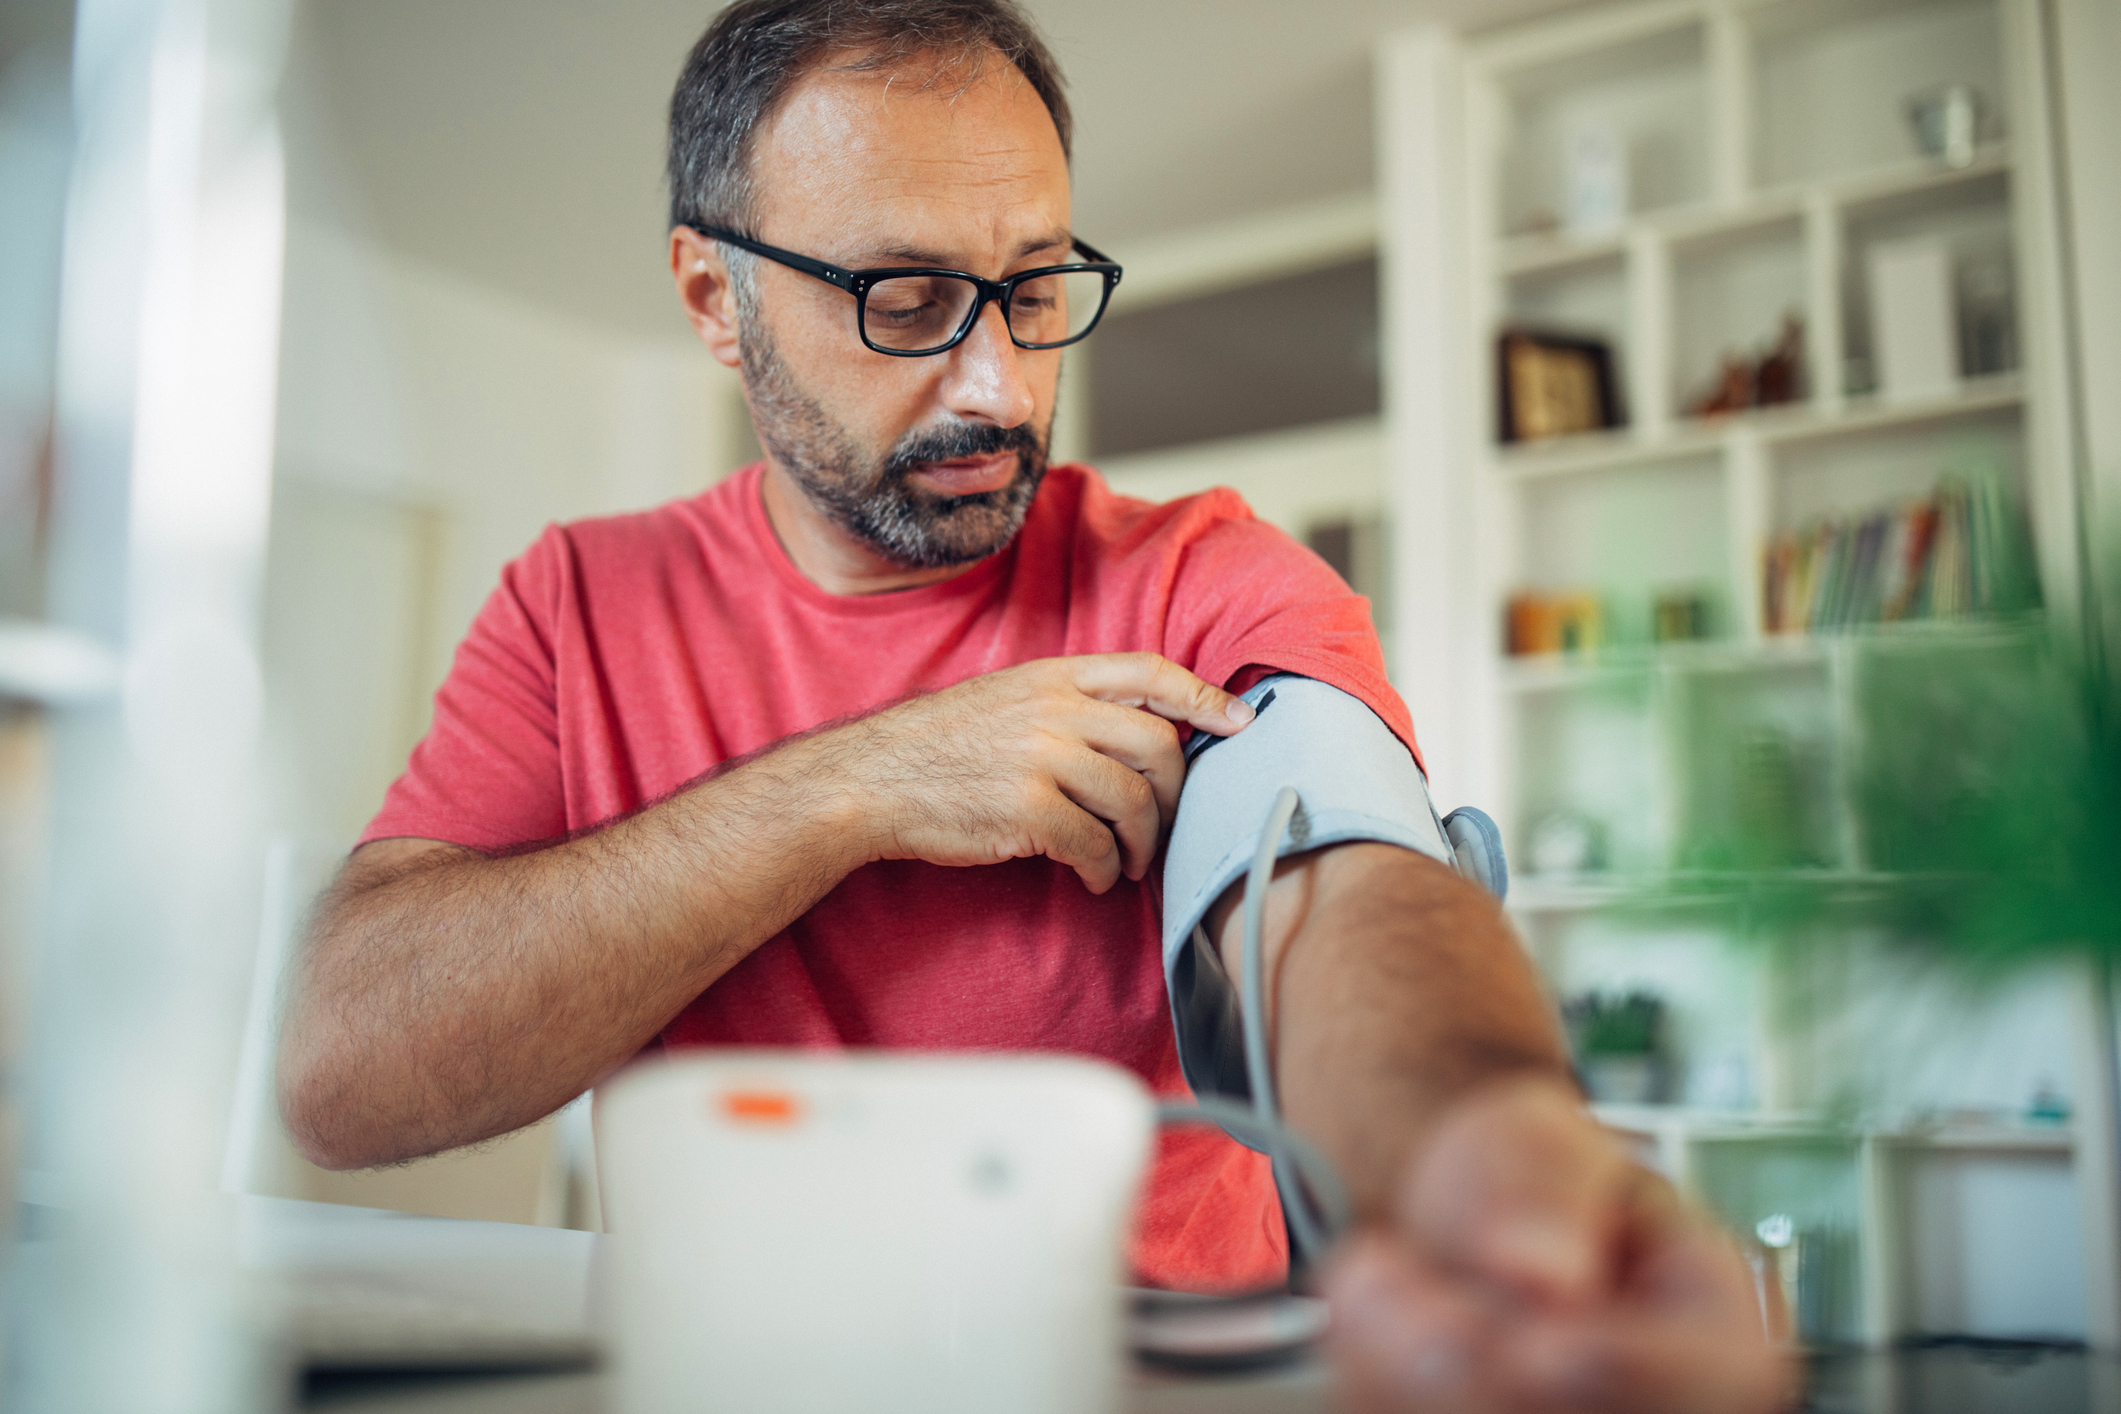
x=756 y=49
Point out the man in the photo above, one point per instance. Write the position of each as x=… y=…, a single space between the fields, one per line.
x=876 y=743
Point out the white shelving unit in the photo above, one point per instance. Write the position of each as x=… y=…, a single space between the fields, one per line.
x=1862 y=1177
x=1768 y=151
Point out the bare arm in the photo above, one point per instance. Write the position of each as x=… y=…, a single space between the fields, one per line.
x=444 y=997
x=1510 y=1255
x=447 y=997
x=1394 y=988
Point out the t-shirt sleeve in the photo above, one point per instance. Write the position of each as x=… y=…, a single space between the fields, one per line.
x=487 y=774
x=1247 y=599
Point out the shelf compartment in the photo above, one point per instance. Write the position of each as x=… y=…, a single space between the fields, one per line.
x=1732 y=289
x=1650 y=91
x=1971 y=219
x=1587 y=298
x=1877 y=457
x=1815 y=1181
x=1757 y=762
x=1591 y=755
x=1831 y=79
x=1962 y=754
x=1628 y=537
x=1993 y=1242
x=1713 y=991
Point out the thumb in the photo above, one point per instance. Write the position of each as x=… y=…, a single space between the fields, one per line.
x=1517 y=1186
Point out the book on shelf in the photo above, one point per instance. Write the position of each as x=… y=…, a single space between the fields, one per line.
x=1960 y=551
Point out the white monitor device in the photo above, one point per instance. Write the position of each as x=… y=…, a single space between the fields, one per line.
x=795 y=1232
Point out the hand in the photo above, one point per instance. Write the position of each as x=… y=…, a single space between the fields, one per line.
x=1529 y=1265
x=1052 y=757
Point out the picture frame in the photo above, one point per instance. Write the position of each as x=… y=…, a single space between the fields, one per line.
x=1552 y=384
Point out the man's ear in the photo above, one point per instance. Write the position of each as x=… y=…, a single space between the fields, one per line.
x=704 y=290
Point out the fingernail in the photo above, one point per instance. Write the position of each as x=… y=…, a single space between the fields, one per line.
x=1239 y=711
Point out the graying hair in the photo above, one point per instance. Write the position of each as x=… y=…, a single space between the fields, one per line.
x=755 y=50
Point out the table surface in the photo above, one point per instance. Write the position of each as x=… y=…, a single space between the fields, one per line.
x=1934 y=1381
x=544 y=1275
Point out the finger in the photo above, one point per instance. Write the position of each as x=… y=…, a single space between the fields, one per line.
x=1688 y=1336
x=1518 y=1186
x=1118 y=796
x=1395 y=1339
x=1140 y=741
x=1689 y=1265
x=1068 y=835
x=1403 y=1337
x=1161 y=686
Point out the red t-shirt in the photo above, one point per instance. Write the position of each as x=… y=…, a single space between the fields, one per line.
x=621 y=658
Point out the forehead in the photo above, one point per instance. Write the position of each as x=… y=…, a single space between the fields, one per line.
x=931 y=149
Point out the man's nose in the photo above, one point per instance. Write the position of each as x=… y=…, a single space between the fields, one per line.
x=986 y=380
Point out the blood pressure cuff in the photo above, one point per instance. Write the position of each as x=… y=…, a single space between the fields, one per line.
x=1354 y=780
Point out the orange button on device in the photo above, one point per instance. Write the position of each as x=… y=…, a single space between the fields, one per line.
x=761 y=1106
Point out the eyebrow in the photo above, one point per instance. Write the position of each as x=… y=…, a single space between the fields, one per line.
x=925 y=255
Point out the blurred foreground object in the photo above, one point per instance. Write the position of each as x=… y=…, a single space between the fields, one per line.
x=1987 y=806
x=160 y=475
x=890 y=1234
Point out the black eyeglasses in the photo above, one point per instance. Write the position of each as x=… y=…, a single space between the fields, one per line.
x=915 y=310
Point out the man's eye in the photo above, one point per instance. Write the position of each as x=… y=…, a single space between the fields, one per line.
x=905 y=316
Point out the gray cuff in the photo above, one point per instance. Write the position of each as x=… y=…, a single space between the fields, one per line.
x=1355 y=781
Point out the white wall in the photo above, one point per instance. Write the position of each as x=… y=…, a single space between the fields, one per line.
x=429 y=429
x=411 y=386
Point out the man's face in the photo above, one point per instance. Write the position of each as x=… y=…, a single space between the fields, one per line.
x=930 y=461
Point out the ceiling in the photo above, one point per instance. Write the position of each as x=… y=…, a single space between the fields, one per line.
x=518 y=142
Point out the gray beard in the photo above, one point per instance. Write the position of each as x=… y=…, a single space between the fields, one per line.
x=873 y=498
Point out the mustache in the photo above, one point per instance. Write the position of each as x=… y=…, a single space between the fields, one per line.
x=959 y=439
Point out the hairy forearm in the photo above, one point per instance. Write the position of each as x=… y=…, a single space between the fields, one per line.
x=445 y=997
x=1395 y=987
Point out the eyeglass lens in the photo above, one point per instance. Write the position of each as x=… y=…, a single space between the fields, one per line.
x=915 y=313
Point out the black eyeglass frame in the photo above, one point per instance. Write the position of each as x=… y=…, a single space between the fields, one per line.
x=859 y=282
